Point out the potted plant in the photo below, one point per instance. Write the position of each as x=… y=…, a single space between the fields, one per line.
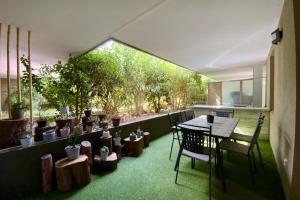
x=78 y=129
x=88 y=112
x=139 y=132
x=101 y=116
x=106 y=133
x=89 y=126
x=73 y=149
x=26 y=139
x=117 y=138
x=116 y=120
x=65 y=131
x=104 y=152
x=132 y=136
x=49 y=135
x=17 y=110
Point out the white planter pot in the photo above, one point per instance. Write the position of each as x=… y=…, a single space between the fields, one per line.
x=49 y=135
x=64 y=110
x=105 y=134
x=72 y=152
x=103 y=156
x=26 y=142
x=65 y=132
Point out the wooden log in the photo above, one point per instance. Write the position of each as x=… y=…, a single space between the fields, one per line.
x=8 y=72
x=47 y=169
x=71 y=173
x=134 y=148
x=118 y=151
x=86 y=149
x=106 y=142
x=146 y=136
x=110 y=164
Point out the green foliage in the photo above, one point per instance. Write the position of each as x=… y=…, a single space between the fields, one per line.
x=119 y=78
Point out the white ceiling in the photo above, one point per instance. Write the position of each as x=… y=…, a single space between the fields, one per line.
x=203 y=35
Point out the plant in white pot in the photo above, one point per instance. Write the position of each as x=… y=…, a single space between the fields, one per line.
x=139 y=132
x=132 y=136
x=106 y=133
x=26 y=139
x=104 y=152
x=73 y=149
x=117 y=138
x=65 y=131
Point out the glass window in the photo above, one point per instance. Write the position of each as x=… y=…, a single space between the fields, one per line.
x=231 y=93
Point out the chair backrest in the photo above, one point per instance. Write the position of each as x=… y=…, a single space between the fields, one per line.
x=224 y=113
x=175 y=119
x=194 y=140
x=189 y=114
x=259 y=125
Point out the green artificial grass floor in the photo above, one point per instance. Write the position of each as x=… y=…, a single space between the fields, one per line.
x=151 y=176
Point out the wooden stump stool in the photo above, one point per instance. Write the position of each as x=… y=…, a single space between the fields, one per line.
x=146 y=139
x=106 y=142
x=86 y=149
x=118 y=150
x=71 y=173
x=47 y=169
x=134 y=148
x=109 y=164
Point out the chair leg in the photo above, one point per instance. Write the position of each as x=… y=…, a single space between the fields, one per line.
x=251 y=170
x=209 y=178
x=177 y=167
x=171 y=147
x=254 y=162
x=259 y=154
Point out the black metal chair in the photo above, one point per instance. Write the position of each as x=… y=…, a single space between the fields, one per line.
x=248 y=139
x=193 y=146
x=246 y=150
x=175 y=119
x=189 y=114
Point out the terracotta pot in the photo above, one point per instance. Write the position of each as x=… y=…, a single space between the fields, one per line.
x=116 y=121
x=17 y=113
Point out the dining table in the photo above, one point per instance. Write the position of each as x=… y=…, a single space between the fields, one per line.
x=221 y=128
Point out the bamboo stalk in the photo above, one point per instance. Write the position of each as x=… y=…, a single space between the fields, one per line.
x=8 y=73
x=18 y=66
x=30 y=82
x=0 y=78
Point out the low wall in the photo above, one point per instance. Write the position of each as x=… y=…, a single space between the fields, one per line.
x=248 y=118
x=20 y=168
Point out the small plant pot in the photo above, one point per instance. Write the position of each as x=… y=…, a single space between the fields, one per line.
x=64 y=110
x=103 y=124
x=41 y=123
x=210 y=118
x=102 y=117
x=89 y=128
x=116 y=121
x=103 y=155
x=49 y=135
x=78 y=130
x=65 y=132
x=88 y=113
x=117 y=141
x=72 y=152
x=26 y=142
x=105 y=134
x=132 y=137
x=17 y=113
